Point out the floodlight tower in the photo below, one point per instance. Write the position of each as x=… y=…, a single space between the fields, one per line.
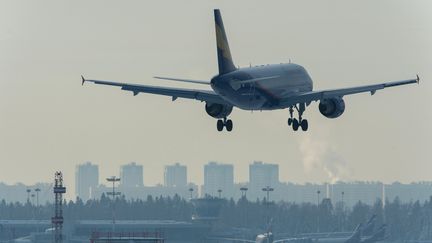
x=114 y=194
x=268 y=189
x=220 y=193
x=37 y=190
x=244 y=191
x=318 y=211
x=191 y=192
x=57 y=220
x=28 y=195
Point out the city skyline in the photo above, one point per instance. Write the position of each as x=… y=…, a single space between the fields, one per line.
x=218 y=173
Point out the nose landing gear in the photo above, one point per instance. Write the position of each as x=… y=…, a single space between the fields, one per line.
x=303 y=123
x=227 y=123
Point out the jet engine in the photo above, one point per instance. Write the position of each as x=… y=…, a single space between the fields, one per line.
x=332 y=108
x=218 y=110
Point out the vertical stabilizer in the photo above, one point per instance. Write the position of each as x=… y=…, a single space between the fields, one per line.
x=225 y=61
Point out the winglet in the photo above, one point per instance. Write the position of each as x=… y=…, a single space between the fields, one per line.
x=418 y=79
x=83 y=80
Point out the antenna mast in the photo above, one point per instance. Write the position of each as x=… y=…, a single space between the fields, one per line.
x=57 y=220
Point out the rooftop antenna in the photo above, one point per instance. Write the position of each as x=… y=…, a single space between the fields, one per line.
x=114 y=194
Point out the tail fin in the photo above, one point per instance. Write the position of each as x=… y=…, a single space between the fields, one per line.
x=225 y=61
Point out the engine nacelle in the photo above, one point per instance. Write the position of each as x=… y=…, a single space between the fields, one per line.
x=218 y=110
x=332 y=108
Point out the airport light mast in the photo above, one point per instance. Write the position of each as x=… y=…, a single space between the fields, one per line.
x=28 y=195
x=114 y=194
x=244 y=191
x=37 y=190
x=191 y=192
x=318 y=211
x=343 y=211
x=268 y=189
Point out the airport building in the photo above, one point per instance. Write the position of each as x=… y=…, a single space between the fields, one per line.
x=131 y=175
x=86 y=180
x=82 y=231
x=175 y=175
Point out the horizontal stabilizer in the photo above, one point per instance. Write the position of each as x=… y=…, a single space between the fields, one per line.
x=184 y=80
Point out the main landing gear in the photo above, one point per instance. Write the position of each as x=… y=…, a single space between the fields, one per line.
x=303 y=123
x=228 y=124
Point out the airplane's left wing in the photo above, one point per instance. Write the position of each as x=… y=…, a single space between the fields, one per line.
x=202 y=95
x=308 y=97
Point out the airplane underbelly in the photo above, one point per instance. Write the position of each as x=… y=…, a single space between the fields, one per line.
x=246 y=98
x=249 y=99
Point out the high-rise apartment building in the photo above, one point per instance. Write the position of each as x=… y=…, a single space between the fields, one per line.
x=131 y=175
x=86 y=180
x=218 y=177
x=175 y=175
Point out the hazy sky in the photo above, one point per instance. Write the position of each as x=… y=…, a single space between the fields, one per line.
x=50 y=122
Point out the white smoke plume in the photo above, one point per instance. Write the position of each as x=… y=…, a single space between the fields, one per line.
x=320 y=156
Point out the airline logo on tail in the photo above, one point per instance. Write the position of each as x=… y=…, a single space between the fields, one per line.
x=225 y=61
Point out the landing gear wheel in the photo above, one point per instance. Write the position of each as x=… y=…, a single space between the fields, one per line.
x=295 y=124
x=229 y=125
x=290 y=120
x=304 y=125
x=220 y=125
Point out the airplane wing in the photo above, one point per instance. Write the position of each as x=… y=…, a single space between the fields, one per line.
x=308 y=97
x=201 y=95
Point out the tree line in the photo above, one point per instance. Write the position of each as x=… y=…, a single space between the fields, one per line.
x=406 y=221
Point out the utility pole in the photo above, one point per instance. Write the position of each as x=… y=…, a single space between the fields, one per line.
x=114 y=194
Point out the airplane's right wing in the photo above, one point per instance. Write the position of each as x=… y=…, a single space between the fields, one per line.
x=202 y=95
x=308 y=97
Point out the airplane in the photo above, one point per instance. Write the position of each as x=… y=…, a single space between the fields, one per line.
x=263 y=87
x=357 y=237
